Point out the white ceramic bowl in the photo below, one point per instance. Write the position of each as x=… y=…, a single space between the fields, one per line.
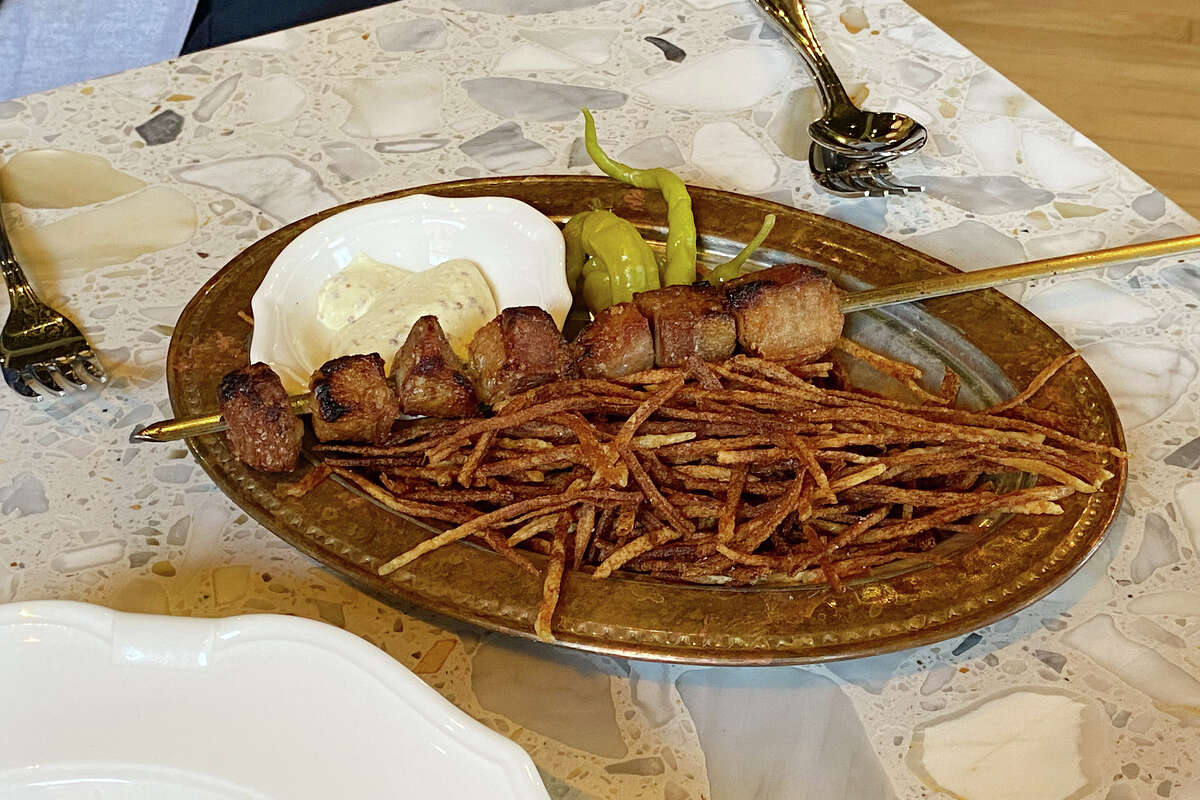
x=104 y=705
x=520 y=252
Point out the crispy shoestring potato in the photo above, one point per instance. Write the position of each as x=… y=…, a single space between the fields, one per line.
x=749 y=471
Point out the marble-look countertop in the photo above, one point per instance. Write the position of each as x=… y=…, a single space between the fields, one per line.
x=130 y=191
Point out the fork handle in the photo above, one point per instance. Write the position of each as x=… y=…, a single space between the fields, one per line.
x=20 y=293
x=791 y=17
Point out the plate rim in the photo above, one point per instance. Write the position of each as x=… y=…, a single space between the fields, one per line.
x=668 y=646
x=119 y=629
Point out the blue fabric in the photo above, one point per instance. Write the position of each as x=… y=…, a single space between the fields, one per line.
x=220 y=22
x=48 y=43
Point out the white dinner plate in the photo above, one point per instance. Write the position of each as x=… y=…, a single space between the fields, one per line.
x=105 y=705
x=519 y=251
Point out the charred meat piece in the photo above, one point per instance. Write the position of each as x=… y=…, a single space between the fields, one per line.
x=520 y=349
x=785 y=313
x=429 y=375
x=616 y=342
x=263 y=431
x=353 y=401
x=688 y=321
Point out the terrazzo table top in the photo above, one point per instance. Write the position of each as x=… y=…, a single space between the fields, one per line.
x=132 y=190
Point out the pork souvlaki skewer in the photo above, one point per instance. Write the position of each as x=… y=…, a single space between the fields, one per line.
x=601 y=348
x=351 y=398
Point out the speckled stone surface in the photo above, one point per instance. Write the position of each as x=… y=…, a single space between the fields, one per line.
x=1093 y=692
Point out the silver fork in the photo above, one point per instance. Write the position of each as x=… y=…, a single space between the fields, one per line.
x=42 y=353
x=855 y=177
x=865 y=141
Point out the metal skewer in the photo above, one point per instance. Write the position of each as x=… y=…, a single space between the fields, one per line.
x=942 y=285
x=908 y=292
x=169 y=430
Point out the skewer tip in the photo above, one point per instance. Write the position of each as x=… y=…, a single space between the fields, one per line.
x=143 y=433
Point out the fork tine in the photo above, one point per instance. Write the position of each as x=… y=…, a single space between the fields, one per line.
x=849 y=177
x=882 y=177
x=63 y=370
x=892 y=187
x=91 y=365
x=39 y=379
x=13 y=378
x=886 y=179
x=822 y=167
x=866 y=182
x=49 y=375
x=909 y=188
x=836 y=183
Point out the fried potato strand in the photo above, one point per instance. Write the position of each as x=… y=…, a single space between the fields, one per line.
x=733 y=473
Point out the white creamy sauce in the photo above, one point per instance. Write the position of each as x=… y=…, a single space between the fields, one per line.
x=372 y=306
x=347 y=295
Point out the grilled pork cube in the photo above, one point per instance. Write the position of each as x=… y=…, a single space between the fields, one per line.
x=263 y=431
x=688 y=321
x=785 y=313
x=429 y=375
x=353 y=401
x=616 y=342
x=520 y=349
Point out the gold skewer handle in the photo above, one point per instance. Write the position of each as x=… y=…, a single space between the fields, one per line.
x=942 y=285
x=172 y=429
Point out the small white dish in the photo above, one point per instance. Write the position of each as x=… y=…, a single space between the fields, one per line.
x=518 y=249
x=105 y=705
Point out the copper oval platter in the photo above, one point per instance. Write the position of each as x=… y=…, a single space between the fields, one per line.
x=990 y=340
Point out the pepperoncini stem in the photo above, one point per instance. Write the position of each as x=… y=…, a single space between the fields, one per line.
x=733 y=267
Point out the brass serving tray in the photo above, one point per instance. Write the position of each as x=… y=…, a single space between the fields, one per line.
x=986 y=337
